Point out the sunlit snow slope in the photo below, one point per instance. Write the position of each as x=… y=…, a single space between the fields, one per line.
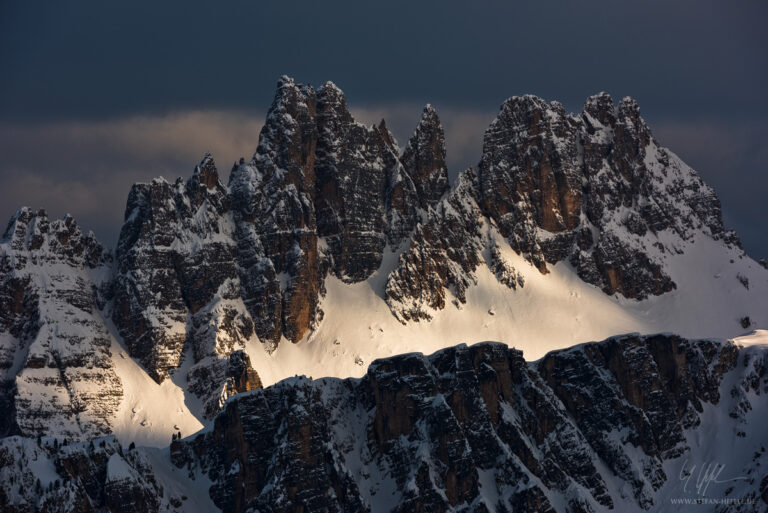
x=551 y=311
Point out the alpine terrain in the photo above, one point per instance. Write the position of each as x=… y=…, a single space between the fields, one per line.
x=263 y=341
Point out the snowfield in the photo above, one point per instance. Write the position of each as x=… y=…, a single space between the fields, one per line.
x=551 y=311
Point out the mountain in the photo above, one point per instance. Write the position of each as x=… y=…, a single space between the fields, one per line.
x=625 y=424
x=331 y=248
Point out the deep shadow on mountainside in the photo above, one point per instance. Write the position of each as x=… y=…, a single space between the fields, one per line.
x=597 y=427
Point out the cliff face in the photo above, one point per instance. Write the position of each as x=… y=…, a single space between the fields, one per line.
x=177 y=286
x=593 y=189
x=324 y=194
x=55 y=362
x=480 y=429
x=617 y=425
x=54 y=476
x=201 y=268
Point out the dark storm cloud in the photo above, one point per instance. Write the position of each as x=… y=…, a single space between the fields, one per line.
x=96 y=95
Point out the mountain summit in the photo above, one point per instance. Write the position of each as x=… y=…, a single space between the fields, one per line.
x=331 y=248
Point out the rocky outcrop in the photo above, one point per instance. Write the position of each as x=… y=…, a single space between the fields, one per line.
x=56 y=369
x=480 y=429
x=600 y=426
x=594 y=189
x=175 y=254
x=51 y=476
x=272 y=195
x=529 y=176
x=424 y=159
x=442 y=255
x=218 y=379
x=353 y=169
x=650 y=389
x=177 y=284
x=421 y=180
x=324 y=194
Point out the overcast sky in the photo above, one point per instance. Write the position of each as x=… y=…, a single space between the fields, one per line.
x=95 y=96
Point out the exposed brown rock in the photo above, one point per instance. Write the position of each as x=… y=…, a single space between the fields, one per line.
x=434 y=424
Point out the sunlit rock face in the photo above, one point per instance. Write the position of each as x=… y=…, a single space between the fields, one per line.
x=324 y=195
x=200 y=268
x=593 y=189
x=56 y=366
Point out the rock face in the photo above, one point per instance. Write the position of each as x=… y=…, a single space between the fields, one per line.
x=442 y=255
x=424 y=159
x=610 y=426
x=480 y=429
x=204 y=266
x=177 y=284
x=324 y=194
x=201 y=268
x=56 y=367
x=421 y=181
x=88 y=477
x=594 y=189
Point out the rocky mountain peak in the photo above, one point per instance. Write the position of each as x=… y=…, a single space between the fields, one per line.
x=177 y=285
x=56 y=370
x=388 y=137
x=632 y=135
x=23 y=221
x=205 y=275
x=424 y=159
x=600 y=107
x=287 y=139
x=206 y=173
x=333 y=103
x=594 y=189
x=529 y=174
x=321 y=180
x=31 y=234
x=204 y=185
x=530 y=113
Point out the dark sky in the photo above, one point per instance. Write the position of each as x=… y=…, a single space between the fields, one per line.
x=95 y=96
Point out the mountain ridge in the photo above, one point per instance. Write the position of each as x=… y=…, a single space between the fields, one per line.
x=616 y=425
x=331 y=247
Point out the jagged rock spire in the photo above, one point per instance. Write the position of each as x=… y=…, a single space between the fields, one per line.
x=206 y=171
x=59 y=240
x=424 y=159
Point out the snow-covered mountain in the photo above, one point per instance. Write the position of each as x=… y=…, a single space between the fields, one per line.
x=331 y=248
x=631 y=424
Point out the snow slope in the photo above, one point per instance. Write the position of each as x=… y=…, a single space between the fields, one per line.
x=551 y=311
x=149 y=412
